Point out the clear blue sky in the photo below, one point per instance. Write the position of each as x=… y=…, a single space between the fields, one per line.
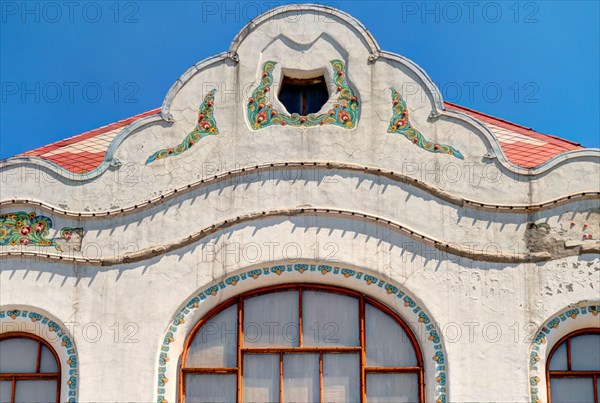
x=68 y=67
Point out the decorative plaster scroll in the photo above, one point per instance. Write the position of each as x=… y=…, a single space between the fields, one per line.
x=537 y=372
x=29 y=229
x=344 y=113
x=206 y=126
x=50 y=329
x=400 y=124
x=450 y=248
x=398 y=177
x=408 y=308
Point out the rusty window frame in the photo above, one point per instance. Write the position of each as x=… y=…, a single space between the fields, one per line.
x=593 y=375
x=361 y=349
x=32 y=376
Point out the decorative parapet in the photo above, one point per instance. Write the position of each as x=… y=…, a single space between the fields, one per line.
x=344 y=112
x=206 y=126
x=401 y=124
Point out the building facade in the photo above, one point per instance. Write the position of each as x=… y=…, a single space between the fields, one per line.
x=303 y=219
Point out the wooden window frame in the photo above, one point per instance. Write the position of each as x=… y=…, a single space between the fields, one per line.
x=32 y=376
x=569 y=373
x=364 y=369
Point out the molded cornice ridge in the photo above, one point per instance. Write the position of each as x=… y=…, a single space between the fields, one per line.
x=450 y=248
x=438 y=109
x=378 y=172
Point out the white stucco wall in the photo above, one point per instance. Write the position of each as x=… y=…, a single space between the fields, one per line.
x=487 y=309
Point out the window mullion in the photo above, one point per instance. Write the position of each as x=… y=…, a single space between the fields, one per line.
x=280 y=377
x=321 y=377
x=39 y=357
x=363 y=358
x=13 y=388
x=304 y=101
x=240 y=345
x=300 y=340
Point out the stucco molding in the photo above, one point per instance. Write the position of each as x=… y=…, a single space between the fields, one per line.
x=578 y=316
x=309 y=165
x=299 y=8
x=363 y=280
x=441 y=245
x=22 y=318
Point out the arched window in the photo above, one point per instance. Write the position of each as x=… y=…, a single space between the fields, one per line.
x=573 y=369
x=301 y=343
x=29 y=369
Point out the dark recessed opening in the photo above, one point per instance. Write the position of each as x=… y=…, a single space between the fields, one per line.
x=303 y=96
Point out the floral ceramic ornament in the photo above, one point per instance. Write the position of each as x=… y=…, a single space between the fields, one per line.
x=344 y=112
x=205 y=126
x=400 y=124
x=21 y=228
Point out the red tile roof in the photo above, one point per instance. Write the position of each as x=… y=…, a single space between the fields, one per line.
x=523 y=146
x=84 y=152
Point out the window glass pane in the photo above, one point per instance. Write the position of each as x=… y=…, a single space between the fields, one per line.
x=559 y=358
x=210 y=388
x=18 y=355
x=291 y=97
x=316 y=96
x=215 y=344
x=261 y=378
x=5 y=391
x=598 y=388
x=572 y=390
x=47 y=362
x=271 y=320
x=585 y=352
x=392 y=388
x=329 y=319
x=35 y=391
x=301 y=378
x=387 y=343
x=341 y=378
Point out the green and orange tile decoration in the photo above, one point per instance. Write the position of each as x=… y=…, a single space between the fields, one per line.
x=206 y=125
x=344 y=113
x=401 y=124
x=30 y=229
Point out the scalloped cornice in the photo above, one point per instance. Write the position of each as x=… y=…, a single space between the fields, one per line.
x=377 y=172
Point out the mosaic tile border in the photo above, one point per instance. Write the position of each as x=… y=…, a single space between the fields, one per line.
x=66 y=342
x=401 y=124
x=206 y=126
x=30 y=229
x=344 y=112
x=535 y=371
x=387 y=290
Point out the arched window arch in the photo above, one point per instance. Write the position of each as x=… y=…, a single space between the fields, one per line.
x=29 y=369
x=301 y=343
x=573 y=368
